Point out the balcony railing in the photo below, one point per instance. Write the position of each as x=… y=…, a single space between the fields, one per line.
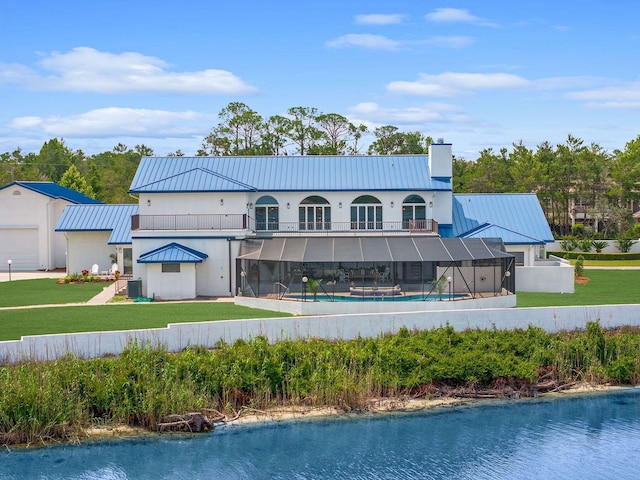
x=271 y=228
x=426 y=226
x=214 y=221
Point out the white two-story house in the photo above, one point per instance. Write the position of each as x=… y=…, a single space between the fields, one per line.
x=285 y=226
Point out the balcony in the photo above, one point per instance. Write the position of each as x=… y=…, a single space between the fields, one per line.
x=190 y=222
x=244 y=223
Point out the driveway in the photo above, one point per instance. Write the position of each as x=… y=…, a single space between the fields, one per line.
x=4 y=275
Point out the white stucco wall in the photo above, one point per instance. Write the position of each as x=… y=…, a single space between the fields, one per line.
x=171 y=285
x=244 y=203
x=215 y=276
x=84 y=249
x=550 y=277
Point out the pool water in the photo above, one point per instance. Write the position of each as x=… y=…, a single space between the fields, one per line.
x=386 y=298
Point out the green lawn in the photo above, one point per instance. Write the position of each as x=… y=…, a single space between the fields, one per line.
x=605 y=287
x=39 y=321
x=44 y=291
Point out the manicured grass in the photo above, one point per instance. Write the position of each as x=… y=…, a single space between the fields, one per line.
x=49 y=320
x=609 y=263
x=605 y=287
x=45 y=291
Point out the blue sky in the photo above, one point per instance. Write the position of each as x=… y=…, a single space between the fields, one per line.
x=478 y=74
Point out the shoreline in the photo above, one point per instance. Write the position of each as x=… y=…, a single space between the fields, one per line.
x=375 y=406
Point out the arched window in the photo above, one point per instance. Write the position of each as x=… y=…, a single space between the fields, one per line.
x=267 y=213
x=314 y=213
x=366 y=213
x=414 y=213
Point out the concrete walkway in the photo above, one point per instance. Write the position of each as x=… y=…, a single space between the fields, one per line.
x=106 y=294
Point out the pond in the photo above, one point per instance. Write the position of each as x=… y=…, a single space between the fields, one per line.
x=595 y=436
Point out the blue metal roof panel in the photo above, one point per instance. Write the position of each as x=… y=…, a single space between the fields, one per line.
x=519 y=213
x=173 y=253
x=99 y=218
x=508 y=237
x=286 y=173
x=54 y=190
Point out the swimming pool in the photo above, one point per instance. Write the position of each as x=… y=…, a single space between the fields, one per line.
x=382 y=298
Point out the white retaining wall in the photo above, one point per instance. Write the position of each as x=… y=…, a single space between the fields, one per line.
x=180 y=335
x=546 y=276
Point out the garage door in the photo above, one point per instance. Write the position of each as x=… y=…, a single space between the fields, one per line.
x=20 y=245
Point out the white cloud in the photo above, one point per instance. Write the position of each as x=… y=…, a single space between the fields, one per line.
x=113 y=121
x=373 y=115
x=88 y=70
x=450 y=83
x=377 y=42
x=455 y=42
x=456 y=15
x=622 y=96
x=380 y=19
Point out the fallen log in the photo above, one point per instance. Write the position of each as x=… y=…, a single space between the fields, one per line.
x=189 y=422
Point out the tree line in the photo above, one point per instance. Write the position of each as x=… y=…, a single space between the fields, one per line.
x=607 y=183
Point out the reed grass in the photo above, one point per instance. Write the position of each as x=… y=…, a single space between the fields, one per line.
x=58 y=400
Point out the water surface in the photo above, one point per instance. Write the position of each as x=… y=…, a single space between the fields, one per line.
x=585 y=437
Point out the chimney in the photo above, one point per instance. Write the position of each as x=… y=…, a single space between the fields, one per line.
x=440 y=159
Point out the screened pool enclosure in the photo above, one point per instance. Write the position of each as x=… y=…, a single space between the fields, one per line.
x=374 y=269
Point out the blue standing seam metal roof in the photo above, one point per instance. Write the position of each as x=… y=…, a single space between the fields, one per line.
x=286 y=173
x=516 y=217
x=53 y=190
x=99 y=218
x=173 y=253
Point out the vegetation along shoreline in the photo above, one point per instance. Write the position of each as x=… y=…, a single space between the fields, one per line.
x=147 y=389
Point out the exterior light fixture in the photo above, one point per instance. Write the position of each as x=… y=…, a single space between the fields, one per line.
x=392 y=204
x=339 y=204
x=288 y=205
x=430 y=204
x=9 y=262
x=221 y=201
x=149 y=203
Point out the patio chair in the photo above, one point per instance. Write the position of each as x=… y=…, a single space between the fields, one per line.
x=384 y=276
x=95 y=270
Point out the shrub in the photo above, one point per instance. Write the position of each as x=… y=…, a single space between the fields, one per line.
x=579 y=266
x=599 y=245
x=585 y=245
x=568 y=244
x=625 y=244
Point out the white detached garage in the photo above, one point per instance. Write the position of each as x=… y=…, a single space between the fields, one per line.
x=29 y=212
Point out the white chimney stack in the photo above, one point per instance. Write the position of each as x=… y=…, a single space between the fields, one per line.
x=440 y=159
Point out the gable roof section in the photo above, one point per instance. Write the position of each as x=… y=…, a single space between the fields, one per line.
x=53 y=190
x=173 y=253
x=99 y=218
x=515 y=217
x=286 y=173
